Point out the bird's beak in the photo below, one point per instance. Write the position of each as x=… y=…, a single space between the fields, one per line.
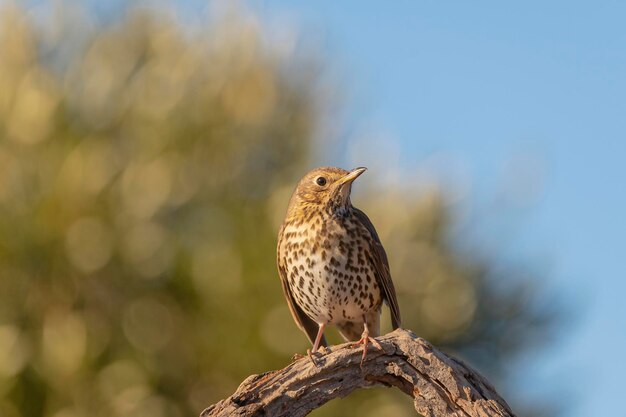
x=351 y=176
x=343 y=185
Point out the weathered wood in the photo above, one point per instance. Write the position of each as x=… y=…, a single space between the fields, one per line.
x=441 y=386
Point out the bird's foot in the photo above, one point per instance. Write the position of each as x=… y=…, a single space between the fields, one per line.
x=309 y=354
x=365 y=339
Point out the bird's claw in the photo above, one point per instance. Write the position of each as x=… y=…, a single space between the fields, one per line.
x=309 y=354
x=365 y=339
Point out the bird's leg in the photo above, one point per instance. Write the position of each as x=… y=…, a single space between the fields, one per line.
x=320 y=333
x=316 y=345
x=365 y=339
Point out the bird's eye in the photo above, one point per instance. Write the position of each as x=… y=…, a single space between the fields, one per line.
x=321 y=181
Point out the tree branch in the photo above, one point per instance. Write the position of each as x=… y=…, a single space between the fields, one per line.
x=441 y=386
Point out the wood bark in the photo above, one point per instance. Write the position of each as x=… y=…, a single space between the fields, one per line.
x=440 y=385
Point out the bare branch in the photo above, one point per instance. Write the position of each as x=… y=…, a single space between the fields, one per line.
x=441 y=386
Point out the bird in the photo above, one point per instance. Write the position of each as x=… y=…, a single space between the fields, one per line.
x=332 y=265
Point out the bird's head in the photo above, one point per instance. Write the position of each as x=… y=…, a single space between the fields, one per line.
x=325 y=189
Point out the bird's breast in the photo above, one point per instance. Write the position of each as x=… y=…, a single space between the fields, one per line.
x=329 y=269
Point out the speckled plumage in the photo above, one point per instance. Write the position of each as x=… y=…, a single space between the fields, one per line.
x=332 y=265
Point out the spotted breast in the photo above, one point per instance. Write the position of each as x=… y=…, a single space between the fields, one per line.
x=328 y=270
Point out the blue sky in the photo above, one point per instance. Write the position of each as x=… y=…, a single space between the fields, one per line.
x=483 y=83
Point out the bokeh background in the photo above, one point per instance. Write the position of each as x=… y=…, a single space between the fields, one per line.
x=148 y=151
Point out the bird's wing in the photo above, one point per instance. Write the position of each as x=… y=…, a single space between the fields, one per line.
x=303 y=321
x=383 y=275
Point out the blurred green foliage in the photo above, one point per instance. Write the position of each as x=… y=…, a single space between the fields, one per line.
x=144 y=170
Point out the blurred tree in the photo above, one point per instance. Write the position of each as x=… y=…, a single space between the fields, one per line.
x=144 y=168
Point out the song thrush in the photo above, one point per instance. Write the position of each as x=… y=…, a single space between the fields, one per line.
x=332 y=265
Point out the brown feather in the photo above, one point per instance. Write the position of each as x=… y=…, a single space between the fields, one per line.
x=383 y=274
